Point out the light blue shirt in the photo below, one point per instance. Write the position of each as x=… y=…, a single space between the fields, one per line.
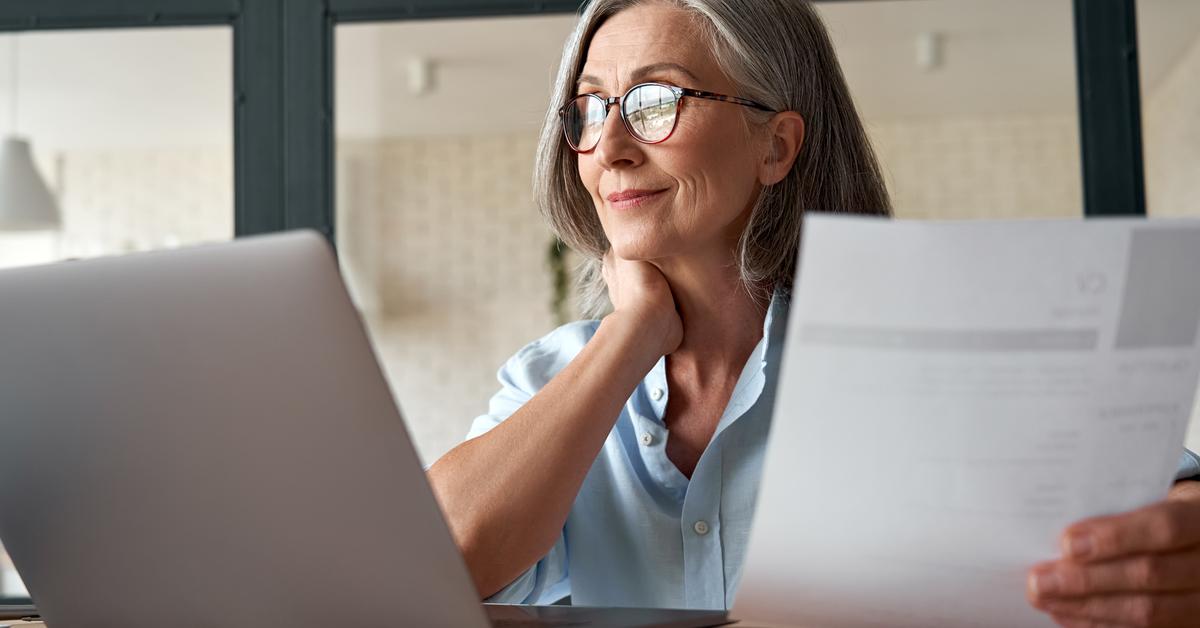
x=640 y=534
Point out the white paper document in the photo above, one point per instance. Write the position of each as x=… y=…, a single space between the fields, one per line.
x=952 y=396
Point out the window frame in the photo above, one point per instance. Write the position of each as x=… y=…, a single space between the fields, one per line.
x=284 y=89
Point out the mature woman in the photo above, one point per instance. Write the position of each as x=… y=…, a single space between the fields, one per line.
x=619 y=463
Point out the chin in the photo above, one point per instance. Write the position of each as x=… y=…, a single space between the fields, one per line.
x=640 y=251
x=643 y=242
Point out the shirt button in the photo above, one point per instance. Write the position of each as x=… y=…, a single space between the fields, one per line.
x=647 y=438
x=701 y=527
x=656 y=394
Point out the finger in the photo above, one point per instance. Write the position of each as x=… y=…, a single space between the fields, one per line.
x=1161 y=527
x=1159 y=573
x=1185 y=490
x=1159 y=610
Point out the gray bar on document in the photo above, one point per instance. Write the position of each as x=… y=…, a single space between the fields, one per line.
x=1161 y=304
x=952 y=339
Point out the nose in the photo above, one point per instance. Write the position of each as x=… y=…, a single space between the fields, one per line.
x=616 y=147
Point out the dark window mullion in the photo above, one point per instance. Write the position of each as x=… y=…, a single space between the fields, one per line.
x=259 y=143
x=379 y=10
x=1110 y=123
x=308 y=116
x=64 y=14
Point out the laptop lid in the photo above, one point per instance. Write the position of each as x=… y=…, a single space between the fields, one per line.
x=203 y=437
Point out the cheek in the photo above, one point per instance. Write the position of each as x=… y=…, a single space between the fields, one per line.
x=715 y=176
x=732 y=173
x=589 y=174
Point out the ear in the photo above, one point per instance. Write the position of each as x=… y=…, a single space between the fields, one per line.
x=785 y=136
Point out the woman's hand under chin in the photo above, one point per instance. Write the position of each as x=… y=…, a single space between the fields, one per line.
x=641 y=296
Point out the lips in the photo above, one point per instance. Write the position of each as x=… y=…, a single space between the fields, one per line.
x=632 y=197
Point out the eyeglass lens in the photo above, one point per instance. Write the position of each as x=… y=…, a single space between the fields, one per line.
x=649 y=111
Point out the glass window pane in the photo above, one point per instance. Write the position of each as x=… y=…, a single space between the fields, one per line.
x=130 y=129
x=445 y=253
x=1169 y=57
x=970 y=104
x=131 y=132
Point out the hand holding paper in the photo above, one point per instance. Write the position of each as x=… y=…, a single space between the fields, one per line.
x=955 y=395
x=1139 y=569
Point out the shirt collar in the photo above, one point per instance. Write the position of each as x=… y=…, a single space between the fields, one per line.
x=751 y=380
x=765 y=356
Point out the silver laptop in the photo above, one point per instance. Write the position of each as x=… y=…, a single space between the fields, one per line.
x=202 y=437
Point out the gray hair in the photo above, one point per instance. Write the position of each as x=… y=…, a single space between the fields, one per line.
x=776 y=52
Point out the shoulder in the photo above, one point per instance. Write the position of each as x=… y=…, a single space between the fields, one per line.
x=539 y=361
x=530 y=369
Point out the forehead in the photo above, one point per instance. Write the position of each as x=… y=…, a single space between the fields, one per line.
x=645 y=35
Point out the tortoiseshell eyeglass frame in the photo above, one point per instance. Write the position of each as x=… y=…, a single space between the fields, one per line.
x=679 y=92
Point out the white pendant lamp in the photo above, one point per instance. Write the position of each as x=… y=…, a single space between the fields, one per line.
x=26 y=203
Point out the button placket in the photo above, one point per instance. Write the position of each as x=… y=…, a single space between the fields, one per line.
x=702 y=547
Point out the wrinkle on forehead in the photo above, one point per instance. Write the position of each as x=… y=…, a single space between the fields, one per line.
x=646 y=35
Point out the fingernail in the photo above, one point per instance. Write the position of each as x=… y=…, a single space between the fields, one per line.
x=1044 y=583
x=1079 y=546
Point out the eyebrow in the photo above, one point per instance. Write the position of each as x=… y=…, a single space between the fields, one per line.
x=641 y=73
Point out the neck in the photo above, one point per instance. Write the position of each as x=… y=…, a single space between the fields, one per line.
x=722 y=322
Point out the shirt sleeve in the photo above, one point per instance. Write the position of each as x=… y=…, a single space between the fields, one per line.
x=1189 y=466
x=520 y=378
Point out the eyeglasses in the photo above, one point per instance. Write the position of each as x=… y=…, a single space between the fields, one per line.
x=648 y=110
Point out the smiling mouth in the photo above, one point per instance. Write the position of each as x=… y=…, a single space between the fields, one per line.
x=629 y=199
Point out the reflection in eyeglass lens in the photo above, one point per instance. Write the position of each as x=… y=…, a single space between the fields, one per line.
x=650 y=111
x=583 y=121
